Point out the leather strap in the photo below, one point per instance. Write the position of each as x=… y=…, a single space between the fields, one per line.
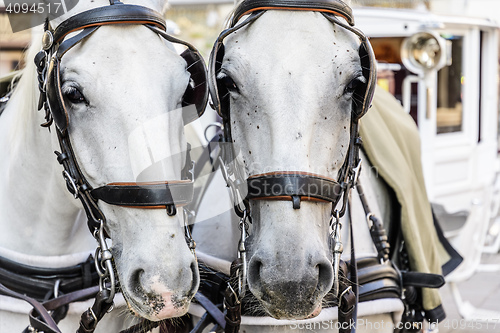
x=211 y=309
x=335 y=7
x=231 y=301
x=39 y=283
x=346 y=301
x=146 y=195
x=46 y=323
x=291 y=185
x=114 y=14
x=348 y=313
x=422 y=280
x=93 y=315
x=377 y=230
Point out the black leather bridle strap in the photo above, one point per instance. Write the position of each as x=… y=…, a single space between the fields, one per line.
x=335 y=7
x=66 y=45
x=349 y=299
x=293 y=185
x=146 y=195
x=114 y=14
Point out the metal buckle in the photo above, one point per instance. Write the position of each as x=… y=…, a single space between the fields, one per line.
x=342 y=295
x=94 y=317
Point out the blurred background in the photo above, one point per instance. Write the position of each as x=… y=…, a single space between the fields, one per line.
x=440 y=59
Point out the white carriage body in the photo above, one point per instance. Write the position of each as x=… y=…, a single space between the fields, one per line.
x=459 y=163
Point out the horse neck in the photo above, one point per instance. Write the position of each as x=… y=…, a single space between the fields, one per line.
x=37 y=214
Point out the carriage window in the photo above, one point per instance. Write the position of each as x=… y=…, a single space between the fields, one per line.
x=449 y=94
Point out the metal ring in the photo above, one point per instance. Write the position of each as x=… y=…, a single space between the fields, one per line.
x=369 y=216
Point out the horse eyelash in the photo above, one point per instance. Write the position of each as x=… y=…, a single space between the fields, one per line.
x=68 y=89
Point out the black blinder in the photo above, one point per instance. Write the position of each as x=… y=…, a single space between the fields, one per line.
x=222 y=92
x=197 y=90
x=367 y=59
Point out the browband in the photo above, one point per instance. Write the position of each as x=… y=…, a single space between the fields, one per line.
x=146 y=195
x=336 y=7
x=116 y=14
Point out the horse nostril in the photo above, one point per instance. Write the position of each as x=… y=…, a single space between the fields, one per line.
x=135 y=280
x=196 y=279
x=325 y=276
x=254 y=271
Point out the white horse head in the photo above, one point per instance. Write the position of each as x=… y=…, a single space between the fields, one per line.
x=122 y=87
x=291 y=77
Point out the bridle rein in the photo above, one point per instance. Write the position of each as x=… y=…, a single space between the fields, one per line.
x=154 y=195
x=291 y=185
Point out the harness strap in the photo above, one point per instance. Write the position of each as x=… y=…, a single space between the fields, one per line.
x=46 y=323
x=93 y=315
x=40 y=283
x=377 y=231
x=422 y=280
x=349 y=296
x=211 y=309
x=231 y=301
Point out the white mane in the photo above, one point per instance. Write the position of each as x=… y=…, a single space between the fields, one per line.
x=25 y=96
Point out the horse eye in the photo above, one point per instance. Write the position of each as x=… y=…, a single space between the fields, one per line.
x=353 y=85
x=228 y=82
x=74 y=95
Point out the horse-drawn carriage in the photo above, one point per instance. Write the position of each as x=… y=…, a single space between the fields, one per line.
x=271 y=253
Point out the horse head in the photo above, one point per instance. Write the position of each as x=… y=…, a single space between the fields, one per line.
x=290 y=86
x=115 y=93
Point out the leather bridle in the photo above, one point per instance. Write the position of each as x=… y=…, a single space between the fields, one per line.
x=155 y=195
x=291 y=185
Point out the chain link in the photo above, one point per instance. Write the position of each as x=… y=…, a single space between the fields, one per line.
x=104 y=263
